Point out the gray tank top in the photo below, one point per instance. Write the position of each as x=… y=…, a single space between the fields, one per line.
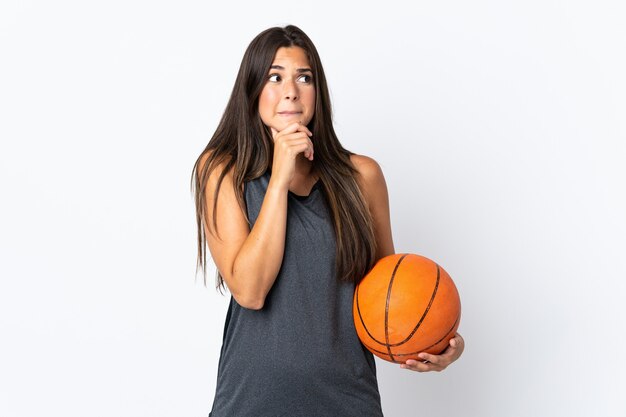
x=299 y=355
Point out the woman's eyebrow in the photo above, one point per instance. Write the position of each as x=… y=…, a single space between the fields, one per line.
x=278 y=67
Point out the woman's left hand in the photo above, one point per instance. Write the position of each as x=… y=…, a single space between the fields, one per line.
x=437 y=363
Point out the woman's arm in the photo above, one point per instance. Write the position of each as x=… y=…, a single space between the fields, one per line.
x=374 y=188
x=372 y=184
x=248 y=260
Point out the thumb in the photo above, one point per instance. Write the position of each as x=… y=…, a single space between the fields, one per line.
x=274 y=132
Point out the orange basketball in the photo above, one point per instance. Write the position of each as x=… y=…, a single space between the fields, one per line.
x=405 y=305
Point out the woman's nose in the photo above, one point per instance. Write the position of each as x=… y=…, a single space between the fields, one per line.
x=290 y=90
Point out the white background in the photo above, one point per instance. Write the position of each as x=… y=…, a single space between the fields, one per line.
x=500 y=129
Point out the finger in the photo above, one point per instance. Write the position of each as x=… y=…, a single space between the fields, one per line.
x=295 y=135
x=418 y=366
x=307 y=153
x=449 y=353
x=444 y=359
x=457 y=341
x=293 y=127
x=457 y=345
x=454 y=345
x=302 y=127
x=434 y=359
x=296 y=139
x=302 y=146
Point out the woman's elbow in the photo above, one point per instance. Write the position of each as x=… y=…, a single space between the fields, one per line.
x=250 y=303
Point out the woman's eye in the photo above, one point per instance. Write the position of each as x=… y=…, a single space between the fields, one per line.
x=276 y=77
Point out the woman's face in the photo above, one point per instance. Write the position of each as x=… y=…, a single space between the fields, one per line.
x=289 y=91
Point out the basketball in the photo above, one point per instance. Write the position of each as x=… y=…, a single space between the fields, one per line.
x=406 y=304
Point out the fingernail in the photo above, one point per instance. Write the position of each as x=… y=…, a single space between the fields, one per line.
x=422 y=355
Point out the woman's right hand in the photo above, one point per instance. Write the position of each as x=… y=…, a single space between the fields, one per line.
x=288 y=144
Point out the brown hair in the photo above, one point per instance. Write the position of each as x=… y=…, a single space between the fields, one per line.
x=244 y=143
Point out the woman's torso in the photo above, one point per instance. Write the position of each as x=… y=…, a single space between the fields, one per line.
x=299 y=355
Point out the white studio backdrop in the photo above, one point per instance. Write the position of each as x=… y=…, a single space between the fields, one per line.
x=499 y=127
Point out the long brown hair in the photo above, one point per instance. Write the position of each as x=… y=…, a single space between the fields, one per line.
x=244 y=142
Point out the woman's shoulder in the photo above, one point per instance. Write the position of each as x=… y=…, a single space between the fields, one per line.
x=370 y=178
x=368 y=168
x=221 y=163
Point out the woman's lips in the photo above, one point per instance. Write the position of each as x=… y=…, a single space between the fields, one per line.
x=289 y=113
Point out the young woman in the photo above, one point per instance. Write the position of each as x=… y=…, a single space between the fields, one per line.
x=292 y=221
